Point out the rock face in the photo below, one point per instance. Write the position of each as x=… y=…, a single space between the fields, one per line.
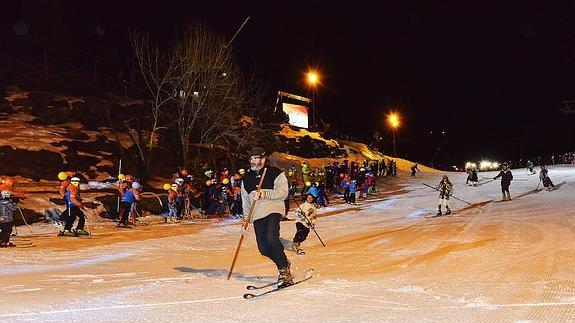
x=43 y=133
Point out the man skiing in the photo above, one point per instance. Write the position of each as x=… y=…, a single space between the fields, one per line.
x=268 y=211
x=506 y=178
x=544 y=177
x=306 y=216
x=445 y=189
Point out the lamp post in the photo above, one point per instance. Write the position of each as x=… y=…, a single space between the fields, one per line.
x=393 y=121
x=312 y=80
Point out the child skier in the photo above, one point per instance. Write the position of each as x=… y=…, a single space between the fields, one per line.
x=7 y=208
x=75 y=207
x=130 y=197
x=445 y=189
x=306 y=216
x=506 y=178
x=544 y=177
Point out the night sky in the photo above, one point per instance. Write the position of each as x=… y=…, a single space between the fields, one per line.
x=490 y=75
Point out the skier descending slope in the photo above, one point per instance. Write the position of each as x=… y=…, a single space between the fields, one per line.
x=506 y=178
x=268 y=211
x=544 y=177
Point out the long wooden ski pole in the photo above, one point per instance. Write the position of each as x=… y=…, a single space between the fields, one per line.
x=245 y=227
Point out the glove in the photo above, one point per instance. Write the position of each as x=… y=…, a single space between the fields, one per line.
x=494 y=178
x=259 y=195
x=244 y=231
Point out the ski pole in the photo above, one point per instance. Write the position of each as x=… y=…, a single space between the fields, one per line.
x=538 y=184
x=118 y=200
x=245 y=227
x=451 y=195
x=23 y=218
x=309 y=223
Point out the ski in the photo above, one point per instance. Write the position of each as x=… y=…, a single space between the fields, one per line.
x=309 y=275
x=252 y=287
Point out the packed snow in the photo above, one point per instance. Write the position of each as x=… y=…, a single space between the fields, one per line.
x=384 y=260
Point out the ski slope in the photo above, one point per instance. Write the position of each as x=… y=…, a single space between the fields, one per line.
x=384 y=261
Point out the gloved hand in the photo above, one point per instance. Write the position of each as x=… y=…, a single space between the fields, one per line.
x=494 y=178
x=244 y=231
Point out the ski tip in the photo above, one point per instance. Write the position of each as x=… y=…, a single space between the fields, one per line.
x=248 y=296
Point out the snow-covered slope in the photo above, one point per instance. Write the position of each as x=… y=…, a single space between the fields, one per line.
x=383 y=261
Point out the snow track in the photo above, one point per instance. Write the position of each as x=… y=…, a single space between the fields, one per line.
x=383 y=261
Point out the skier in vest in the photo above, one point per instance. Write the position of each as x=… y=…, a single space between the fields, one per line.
x=131 y=196
x=268 y=211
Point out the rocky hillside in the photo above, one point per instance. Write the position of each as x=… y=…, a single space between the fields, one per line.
x=43 y=133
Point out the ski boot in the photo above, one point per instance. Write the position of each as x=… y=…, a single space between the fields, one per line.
x=448 y=210
x=293 y=247
x=7 y=245
x=438 y=212
x=504 y=197
x=285 y=277
x=508 y=197
x=66 y=233
x=82 y=232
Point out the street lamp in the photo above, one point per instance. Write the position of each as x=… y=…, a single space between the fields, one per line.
x=393 y=121
x=313 y=80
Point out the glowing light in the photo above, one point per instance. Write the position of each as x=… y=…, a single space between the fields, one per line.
x=393 y=120
x=312 y=78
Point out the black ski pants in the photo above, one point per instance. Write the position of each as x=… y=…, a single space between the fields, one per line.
x=74 y=212
x=301 y=233
x=268 y=239
x=6 y=231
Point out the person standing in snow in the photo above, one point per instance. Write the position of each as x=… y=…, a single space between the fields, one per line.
x=544 y=177
x=445 y=189
x=506 y=178
x=306 y=216
x=7 y=208
x=473 y=178
x=268 y=211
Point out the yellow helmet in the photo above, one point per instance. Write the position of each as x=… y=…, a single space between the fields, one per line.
x=241 y=171
x=62 y=176
x=225 y=181
x=121 y=177
x=167 y=186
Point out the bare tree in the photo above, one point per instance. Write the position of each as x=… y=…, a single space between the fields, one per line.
x=211 y=93
x=157 y=68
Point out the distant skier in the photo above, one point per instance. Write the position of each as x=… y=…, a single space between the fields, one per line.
x=7 y=208
x=445 y=189
x=544 y=177
x=506 y=178
x=414 y=169
x=530 y=167
x=306 y=216
x=472 y=177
